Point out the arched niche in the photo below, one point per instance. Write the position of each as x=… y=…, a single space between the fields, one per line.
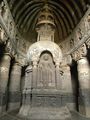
x=46 y=71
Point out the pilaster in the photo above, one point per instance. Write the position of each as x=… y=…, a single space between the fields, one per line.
x=83 y=79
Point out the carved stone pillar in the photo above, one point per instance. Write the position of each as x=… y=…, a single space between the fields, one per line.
x=66 y=83
x=26 y=99
x=68 y=97
x=84 y=86
x=28 y=77
x=4 y=75
x=34 y=81
x=28 y=85
x=58 y=83
x=14 y=87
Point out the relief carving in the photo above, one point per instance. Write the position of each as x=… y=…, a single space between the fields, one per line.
x=37 y=48
x=88 y=43
x=72 y=43
x=79 y=34
x=46 y=72
x=87 y=22
x=88 y=19
x=76 y=55
x=4 y=69
x=81 y=52
x=8 y=47
x=4 y=11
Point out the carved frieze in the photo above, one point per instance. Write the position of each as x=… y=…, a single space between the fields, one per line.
x=78 y=34
x=78 y=37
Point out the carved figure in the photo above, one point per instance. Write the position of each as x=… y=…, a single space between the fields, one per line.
x=46 y=71
x=71 y=42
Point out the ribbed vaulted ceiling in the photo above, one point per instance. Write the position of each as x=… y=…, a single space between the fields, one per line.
x=67 y=14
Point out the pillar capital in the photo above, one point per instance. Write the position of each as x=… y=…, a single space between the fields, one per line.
x=29 y=68
x=17 y=63
x=21 y=60
x=79 y=53
x=57 y=64
x=6 y=58
x=9 y=49
x=65 y=67
x=82 y=60
x=67 y=61
x=7 y=54
x=83 y=64
x=35 y=64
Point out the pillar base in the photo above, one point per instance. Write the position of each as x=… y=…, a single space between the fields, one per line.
x=14 y=100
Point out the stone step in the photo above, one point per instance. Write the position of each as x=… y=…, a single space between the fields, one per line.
x=40 y=113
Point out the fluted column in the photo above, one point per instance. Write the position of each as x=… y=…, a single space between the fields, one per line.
x=84 y=86
x=14 y=87
x=4 y=75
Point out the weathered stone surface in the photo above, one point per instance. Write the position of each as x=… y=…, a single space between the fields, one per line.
x=84 y=86
x=4 y=75
x=14 y=87
x=46 y=83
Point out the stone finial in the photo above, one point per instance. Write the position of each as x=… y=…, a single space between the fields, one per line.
x=45 y=25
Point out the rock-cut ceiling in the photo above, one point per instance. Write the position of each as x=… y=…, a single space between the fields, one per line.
x=67 y=14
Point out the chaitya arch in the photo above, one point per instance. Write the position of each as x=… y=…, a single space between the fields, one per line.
x=37 y=48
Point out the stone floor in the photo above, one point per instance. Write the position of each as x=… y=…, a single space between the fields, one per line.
x=46 y=114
